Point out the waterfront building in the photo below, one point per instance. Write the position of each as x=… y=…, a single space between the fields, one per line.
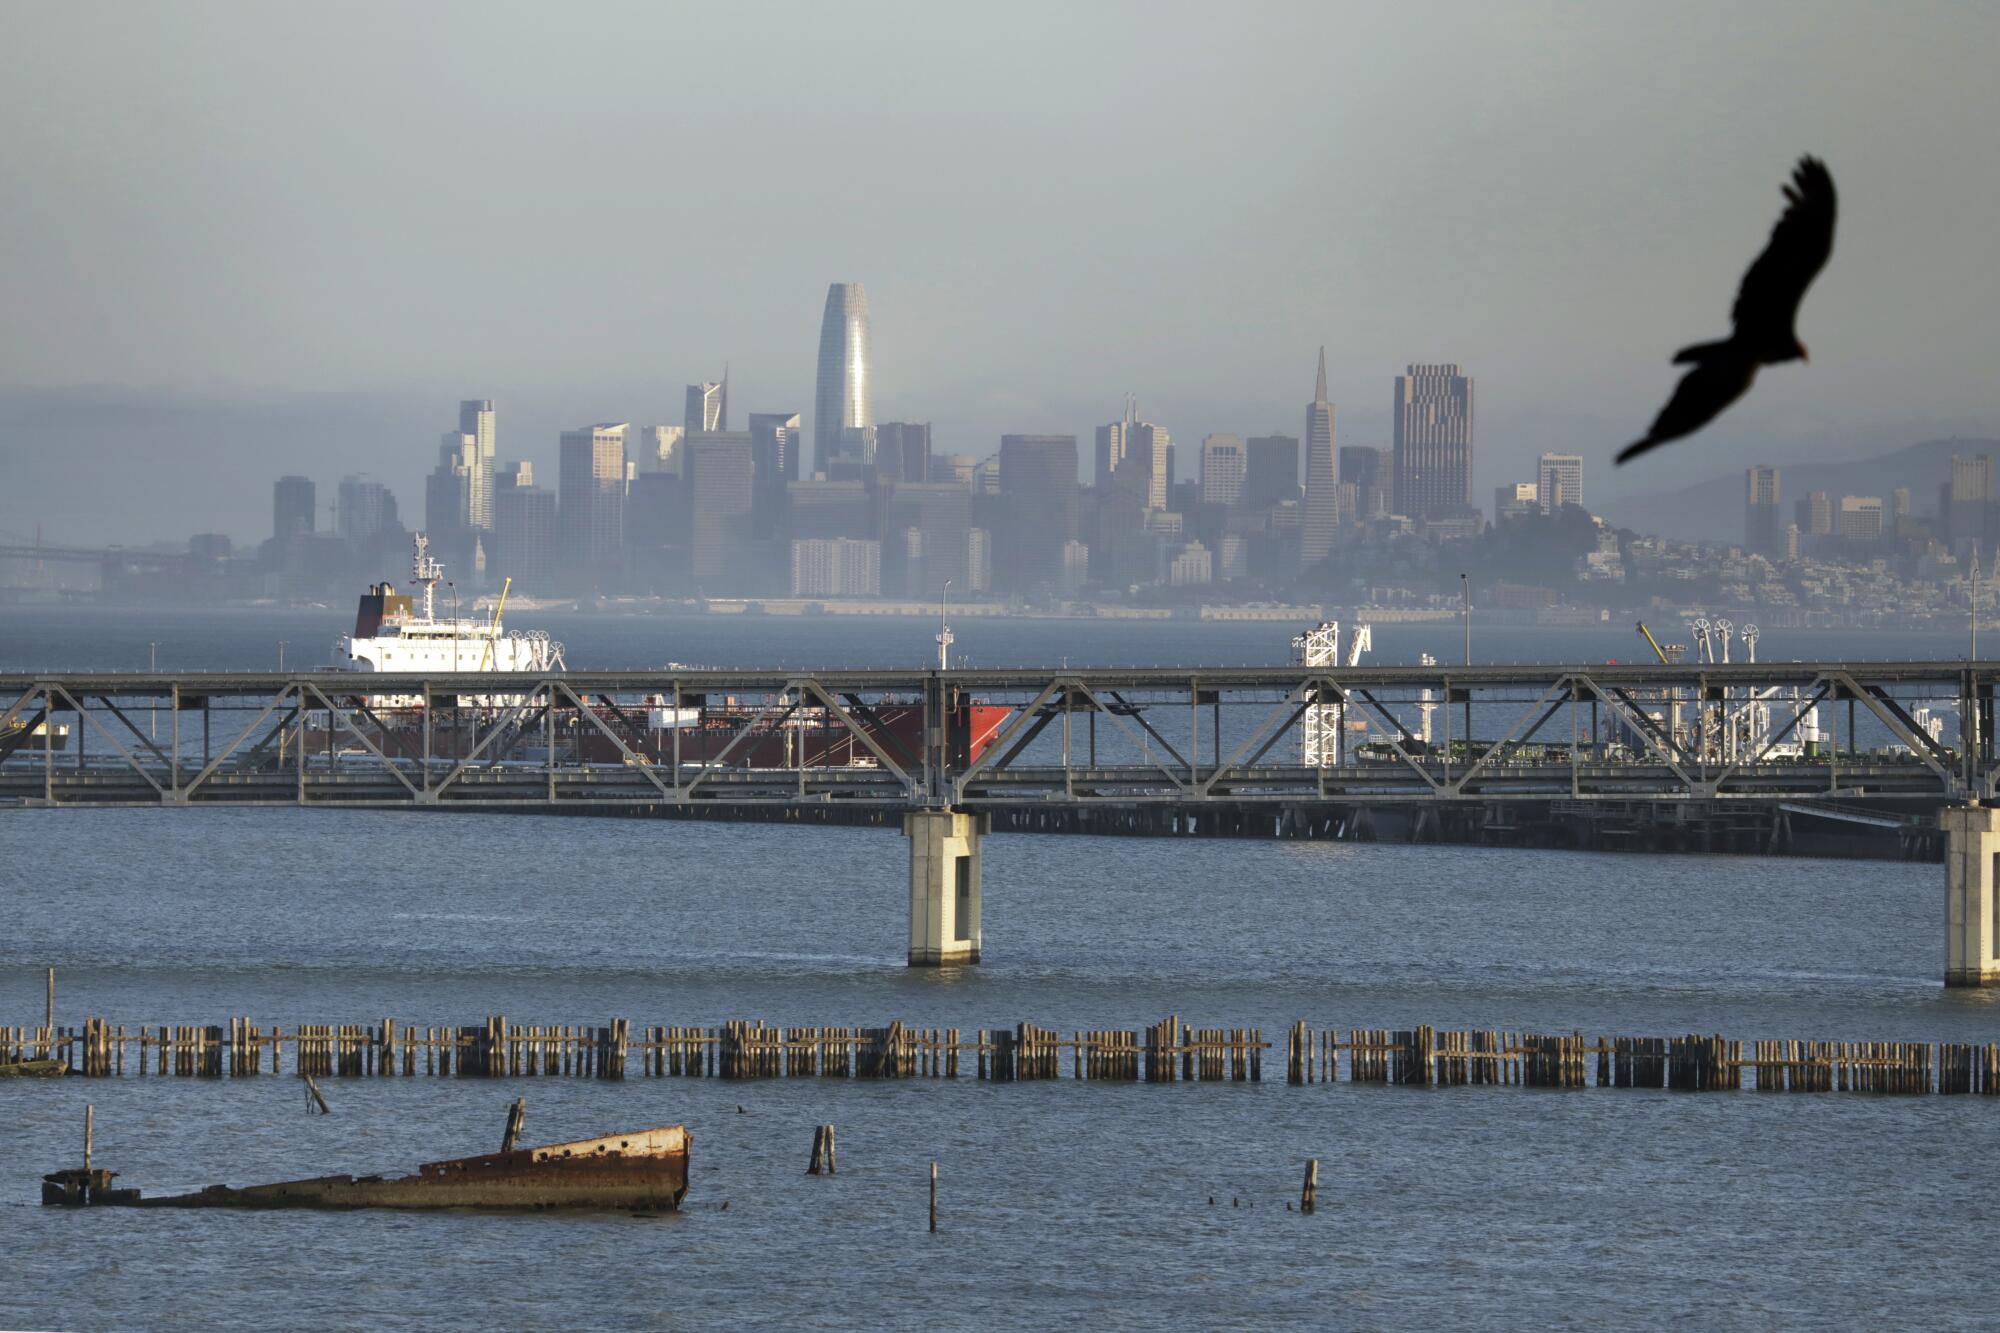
x=1191 y=566
x=836 y=567
x=1038 y=480
x=1322 y=502
x=1760 y=510
x=1270 y=471
x=1433 y=442
x=292 y=508
x=1223 y=467
x=476 y=418
x=1559 y=481
x=841 y=400
x=590 y=476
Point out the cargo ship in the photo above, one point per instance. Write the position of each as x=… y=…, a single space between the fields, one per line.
x=399 y=632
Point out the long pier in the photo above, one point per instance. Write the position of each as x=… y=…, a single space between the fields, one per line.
x=946 y=750
x=1165 y=1052
x=1183 y=736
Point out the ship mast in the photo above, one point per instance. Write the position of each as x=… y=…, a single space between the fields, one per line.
x=426 y=572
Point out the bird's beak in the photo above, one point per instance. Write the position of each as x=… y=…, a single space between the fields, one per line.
x=1805 y=354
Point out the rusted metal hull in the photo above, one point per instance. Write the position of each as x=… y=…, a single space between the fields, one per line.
x=645 y=1171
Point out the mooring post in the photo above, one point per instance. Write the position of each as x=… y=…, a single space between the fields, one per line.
x=944 y=885
x=52 y=998
x=1972 y=847
x=933 y=1194
x=1309 y=1193
x=516 y=1114
x=89 y=1133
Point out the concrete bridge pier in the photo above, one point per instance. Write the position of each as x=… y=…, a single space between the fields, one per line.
x=944 y=885
x=1971 y=886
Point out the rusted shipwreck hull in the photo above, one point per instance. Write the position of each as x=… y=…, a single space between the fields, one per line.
x=644 y=1171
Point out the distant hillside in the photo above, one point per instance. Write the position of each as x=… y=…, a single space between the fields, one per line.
x=1713 y=510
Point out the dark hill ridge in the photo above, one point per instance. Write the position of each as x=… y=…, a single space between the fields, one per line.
x=1713 y=510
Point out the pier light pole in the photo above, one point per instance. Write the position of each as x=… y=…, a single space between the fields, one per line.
x=281 y=655
x=944 y=631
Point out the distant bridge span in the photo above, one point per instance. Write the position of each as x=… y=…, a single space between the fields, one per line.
x=1194 y=738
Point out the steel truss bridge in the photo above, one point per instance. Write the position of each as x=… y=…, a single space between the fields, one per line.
x=1766 y=732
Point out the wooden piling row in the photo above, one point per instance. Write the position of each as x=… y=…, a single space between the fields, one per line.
x=1165 y=1052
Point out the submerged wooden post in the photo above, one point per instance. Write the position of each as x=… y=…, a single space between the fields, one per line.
x=1309 y=1193
x=934 y=1194
x=818 y=1152
x=90 y=1130
x=52 y=998
x=516 y=1113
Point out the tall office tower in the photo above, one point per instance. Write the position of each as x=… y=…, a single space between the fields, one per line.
x=1820 y=522
x=1559 y=481
x=1371 y=473
x=448 y=492
x=1038 y=475
x=1762 y=529
x=1270 y=471
x=775 y=441
x=1433 y=409
x=292 y=513
x=817 y=510
x=903 y=451
x=940 y=514
x=1968 y=499
x=524 y=538
x=1516 y=500
x=475 y=418
x=513 y=474
x=658 y=448
x=367 y=509
x=1322 y=508
x=1899 y=502
x=1148 y=465
x=841 y=400
x=1223 y=467
x=1112 y=442
x=707 y=407
x=1861 y=518
x=591 y=479
x=721 y=489
x=979 y=560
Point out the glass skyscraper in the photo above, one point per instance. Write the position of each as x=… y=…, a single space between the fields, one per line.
x=842 y=400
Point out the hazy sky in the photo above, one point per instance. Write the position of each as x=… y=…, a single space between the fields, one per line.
x=316 y=227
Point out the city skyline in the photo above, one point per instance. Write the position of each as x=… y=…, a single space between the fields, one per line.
x=282 y=323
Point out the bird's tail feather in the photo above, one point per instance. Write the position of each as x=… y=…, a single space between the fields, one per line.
x=1698 y=352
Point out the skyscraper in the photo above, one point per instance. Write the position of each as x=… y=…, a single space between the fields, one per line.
x=448 y=495
x=475 y=418
x=1222 y=469
x=591 y=479
x=1038 y=497
x=1433 y=410
x=657 y=448
x=1559 y=482
x=903 y=451
x=1271 y=471
x=1762 y=530
x=721 y=488
x=775 y=441
x=1112 y=441
x=1371 y=472
x=842 y=398
x=524 y=537
x=1149 y=461
x=367 y=509
x=292 y=512
x=1322 y=509
x=707 y=406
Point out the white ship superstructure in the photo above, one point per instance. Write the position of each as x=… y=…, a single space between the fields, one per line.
x=401 y=633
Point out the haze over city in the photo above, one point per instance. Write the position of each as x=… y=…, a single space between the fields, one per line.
x=223 y=266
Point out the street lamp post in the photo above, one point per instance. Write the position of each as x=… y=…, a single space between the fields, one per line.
x=1465 y=596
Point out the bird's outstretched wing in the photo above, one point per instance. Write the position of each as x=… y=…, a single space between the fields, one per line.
x=1715 y=382
x=1768 y=300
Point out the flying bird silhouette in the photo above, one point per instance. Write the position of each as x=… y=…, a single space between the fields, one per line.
x=1767 y=307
